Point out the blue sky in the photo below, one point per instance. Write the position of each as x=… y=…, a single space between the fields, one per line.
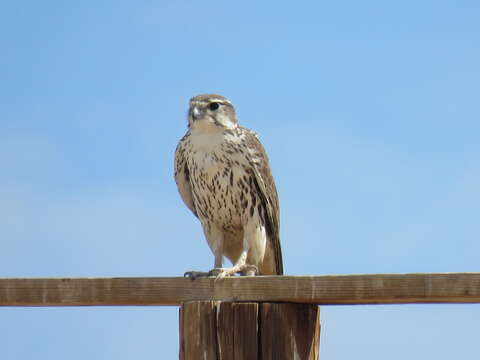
x=369 y=112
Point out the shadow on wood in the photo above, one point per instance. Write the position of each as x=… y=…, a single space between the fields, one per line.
x=214 y=330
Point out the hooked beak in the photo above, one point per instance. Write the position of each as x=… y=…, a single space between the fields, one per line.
x=196 y=113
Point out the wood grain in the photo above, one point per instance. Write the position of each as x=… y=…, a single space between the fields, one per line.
x=225 y=327
x=237 y=330
x=278 y=331
x=198 y=335
x=289 y=331
x=324 y=290
x=246 y=340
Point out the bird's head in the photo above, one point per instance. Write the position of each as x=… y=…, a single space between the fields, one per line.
x=210 y=112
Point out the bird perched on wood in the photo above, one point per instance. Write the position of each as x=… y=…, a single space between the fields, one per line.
x=223 y=176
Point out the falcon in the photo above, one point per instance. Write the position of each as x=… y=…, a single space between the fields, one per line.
x=223 y=176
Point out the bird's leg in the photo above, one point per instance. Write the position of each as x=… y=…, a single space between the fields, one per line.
x=240 y=266
x=218 y=258
x=214 y=237
x=254 y=241
x=220 y=272
x=218 y=251
x=217 y=248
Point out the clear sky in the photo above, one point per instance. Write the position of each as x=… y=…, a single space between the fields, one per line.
x=369 y=111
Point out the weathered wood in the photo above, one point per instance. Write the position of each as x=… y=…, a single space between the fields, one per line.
x=198 y=337
x=245 y=344
x=254 y=331
x=225 y=326
x=325 y=289
x=237 y=330
x=290 y=331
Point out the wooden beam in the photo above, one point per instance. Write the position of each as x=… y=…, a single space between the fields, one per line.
x=325 y=289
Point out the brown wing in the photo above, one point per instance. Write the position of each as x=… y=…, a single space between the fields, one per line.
x=182 y=174
x=268 y=193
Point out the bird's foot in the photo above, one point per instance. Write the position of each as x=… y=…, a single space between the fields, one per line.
x=250 y=270
x=246 y=270
x=220 y=273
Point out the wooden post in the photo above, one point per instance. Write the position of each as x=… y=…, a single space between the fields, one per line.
x=215 y=330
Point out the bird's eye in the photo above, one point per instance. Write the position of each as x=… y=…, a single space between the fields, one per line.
x=214 y=106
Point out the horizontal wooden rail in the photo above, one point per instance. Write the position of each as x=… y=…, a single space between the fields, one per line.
x=323 y=290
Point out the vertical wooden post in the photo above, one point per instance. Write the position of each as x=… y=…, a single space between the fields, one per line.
x=212 y=330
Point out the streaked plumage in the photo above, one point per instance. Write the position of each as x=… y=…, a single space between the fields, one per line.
x=223 y=176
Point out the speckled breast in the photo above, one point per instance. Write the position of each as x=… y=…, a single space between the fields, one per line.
x=221 y=186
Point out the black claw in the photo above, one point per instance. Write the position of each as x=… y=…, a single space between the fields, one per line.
x=190 y=275
x=195 y=274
